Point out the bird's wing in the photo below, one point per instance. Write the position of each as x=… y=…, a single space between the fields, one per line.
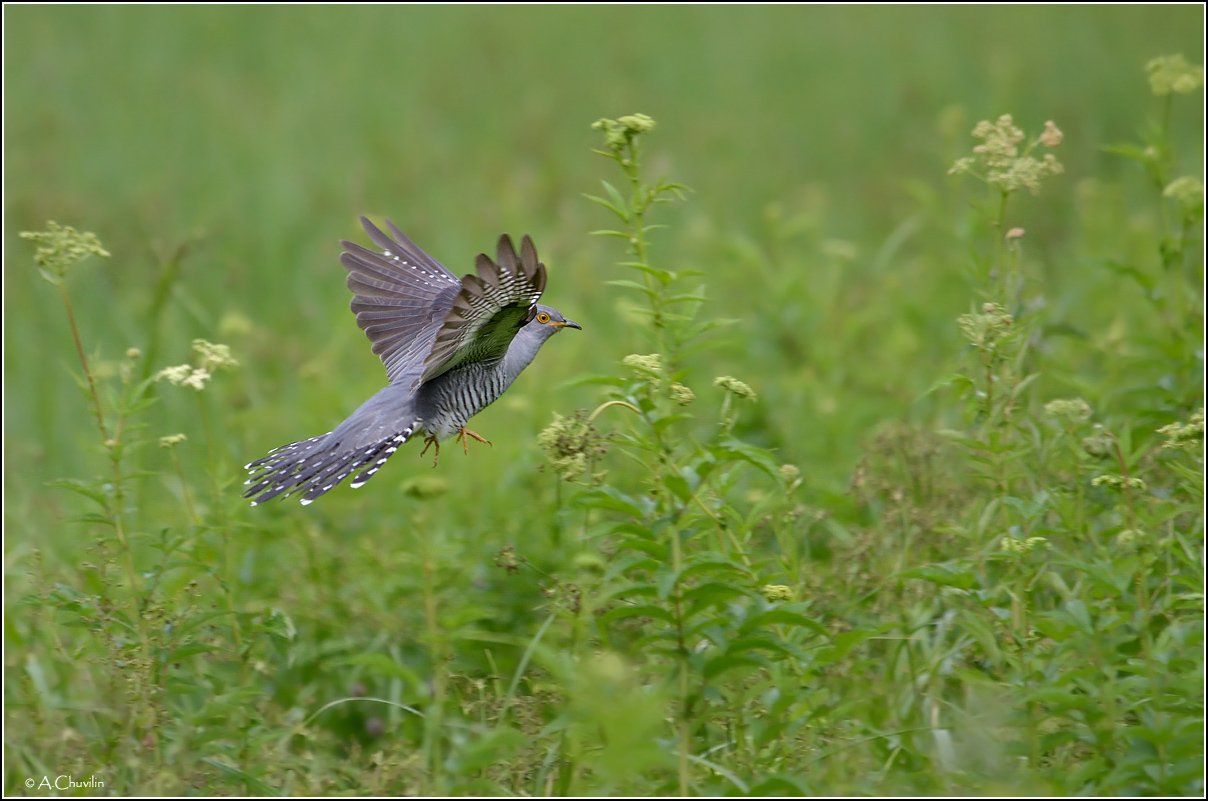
x=401 y=297
x=493 y=304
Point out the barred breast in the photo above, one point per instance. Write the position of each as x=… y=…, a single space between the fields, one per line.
x=447 y=402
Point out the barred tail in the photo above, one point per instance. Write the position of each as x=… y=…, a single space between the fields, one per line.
x=313 y=466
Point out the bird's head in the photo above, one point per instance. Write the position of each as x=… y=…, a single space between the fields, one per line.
x=545 y=321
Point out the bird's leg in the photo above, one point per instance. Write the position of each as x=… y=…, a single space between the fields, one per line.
x=428 y=442
x=465 y=445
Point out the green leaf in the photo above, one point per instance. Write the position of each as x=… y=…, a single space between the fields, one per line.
x=1142 y=278
x=720 y=664
x=496 y=745
x=666 y=584
x=614 y=195
x=614 y=499
x=627 y=284
x=1130 y=151
x=781 y=617
x=185 y=651
x=842 y=644
x=732 y=449
x=678 y=486
x=87 y=490
x=637 y=610
x=712 y=593
x=279 y=625
x=629 y=591
x=713 y=562
x=615 y=210
x=758 y=642
x=250 y=781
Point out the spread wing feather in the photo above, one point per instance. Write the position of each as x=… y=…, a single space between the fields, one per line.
x=401 y=297
x=493 y=303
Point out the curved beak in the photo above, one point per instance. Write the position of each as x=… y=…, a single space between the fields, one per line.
x=571 y=324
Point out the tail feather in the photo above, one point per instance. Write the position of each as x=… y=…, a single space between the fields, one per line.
x=379 y=457
x=314 y=466
x=282 y=452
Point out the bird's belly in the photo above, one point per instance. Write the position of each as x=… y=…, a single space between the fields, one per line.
x=446 y=403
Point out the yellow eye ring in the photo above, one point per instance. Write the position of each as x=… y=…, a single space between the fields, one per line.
x=543 y=318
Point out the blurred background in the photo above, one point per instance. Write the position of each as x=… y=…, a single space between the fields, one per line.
x=254 y=137
x=222 y=153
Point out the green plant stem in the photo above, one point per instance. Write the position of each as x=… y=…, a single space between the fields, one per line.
x=1128 y=493
x=93 y=394
x=186 y=493
x=677 y=561
x=117 y=516
x=435 y=716
x=607 y=404
x=169 y=272
x=640 y=198
x=1000 y=227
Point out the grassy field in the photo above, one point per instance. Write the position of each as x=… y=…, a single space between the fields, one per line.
x=869 y=474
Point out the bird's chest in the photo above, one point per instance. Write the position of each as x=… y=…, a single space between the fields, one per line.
x=449 y=400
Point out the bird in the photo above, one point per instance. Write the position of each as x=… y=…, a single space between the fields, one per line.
x=450 y=347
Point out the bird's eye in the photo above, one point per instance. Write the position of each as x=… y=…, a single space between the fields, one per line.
x=543 y=318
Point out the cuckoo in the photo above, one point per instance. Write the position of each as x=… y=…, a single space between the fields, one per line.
x=451 y=347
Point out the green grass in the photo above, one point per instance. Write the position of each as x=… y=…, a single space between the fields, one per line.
x=898 y=569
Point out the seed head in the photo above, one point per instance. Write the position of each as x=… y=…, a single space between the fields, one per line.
x=1118 y=482
x=735 y=387
x=682 y=394
x=1187 y=436
x=1075 y=410
x=777 y=592
x=1169 y=74
x=621 y=132
x=637 y=123
x=1130 y=537
x=571 y=444
x=1100 y=442
x=61 y=246
x=175 y=375
x=985 y=330
x=1015 y=545
x=197 y=379
x=1051 y=136
x=999 y=161
x=506 y=558
x=650 y=365
x=213 y=356
x=1187 y=191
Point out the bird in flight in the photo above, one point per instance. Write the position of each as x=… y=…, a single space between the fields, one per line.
x=451 y=347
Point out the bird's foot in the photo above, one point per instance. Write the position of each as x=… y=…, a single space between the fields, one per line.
x=465 y=444
x=429 y=441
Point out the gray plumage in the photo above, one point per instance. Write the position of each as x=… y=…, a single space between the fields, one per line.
x=450 y=347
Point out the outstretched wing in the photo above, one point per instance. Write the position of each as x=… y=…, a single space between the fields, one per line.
x=401 y=297
x=491 y=307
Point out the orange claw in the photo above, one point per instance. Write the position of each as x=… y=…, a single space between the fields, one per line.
x=465 y=445
x=429 y=441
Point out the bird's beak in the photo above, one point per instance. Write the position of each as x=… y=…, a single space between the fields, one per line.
x=571 y=324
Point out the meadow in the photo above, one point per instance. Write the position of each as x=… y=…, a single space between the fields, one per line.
x=876 y=469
